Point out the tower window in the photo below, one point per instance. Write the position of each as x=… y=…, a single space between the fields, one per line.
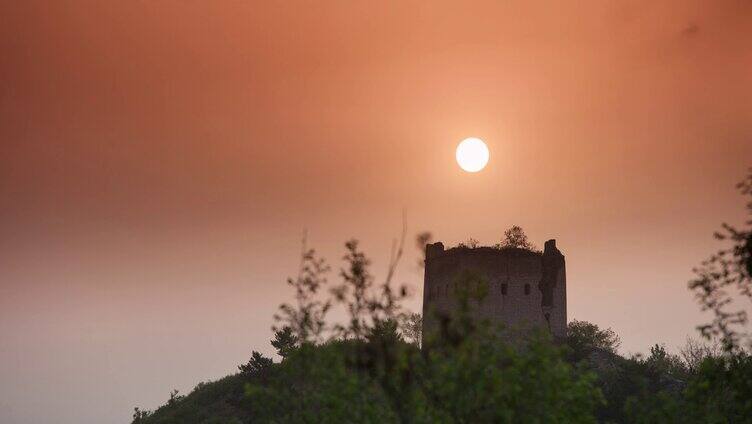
x=527 y=288
x=503 y=289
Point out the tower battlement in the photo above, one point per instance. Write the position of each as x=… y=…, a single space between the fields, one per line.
x=524 y=288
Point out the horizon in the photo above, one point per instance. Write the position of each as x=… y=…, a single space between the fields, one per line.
x=161 y=162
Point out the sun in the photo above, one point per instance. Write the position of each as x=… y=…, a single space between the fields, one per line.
x=472 y=154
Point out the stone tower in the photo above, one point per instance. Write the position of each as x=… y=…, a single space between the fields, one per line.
x=525 y=289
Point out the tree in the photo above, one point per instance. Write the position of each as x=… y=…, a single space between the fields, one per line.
x=477 y=378
x=515 y=237
x=175 y=397
x=385 y=332
x=412 y=328
x=258 y=364
x=471 y=243
x=584 y=337
x=306 y=317
x=368 y=373
x=666 y=364
x=284 y=341
x=695 y=352
x=366 y=303
x=726 y=276
x=717 y=392
x=140 y=416
x=721 y=391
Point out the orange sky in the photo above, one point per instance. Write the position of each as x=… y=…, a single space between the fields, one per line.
x=159 y=161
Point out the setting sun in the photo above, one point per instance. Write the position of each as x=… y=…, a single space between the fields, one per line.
x=472 y=154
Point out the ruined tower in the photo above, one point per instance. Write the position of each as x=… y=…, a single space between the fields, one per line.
x=524 y=289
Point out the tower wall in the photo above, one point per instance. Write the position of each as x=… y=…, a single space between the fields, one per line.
x=506 y=273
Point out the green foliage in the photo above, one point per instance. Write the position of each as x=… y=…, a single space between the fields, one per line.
x=471 y=243
x=648 y=408
x=366 y=304
x=719 y=392
x=472 y=376
x=140 y=416
x=218 y=402
x=726 y=276
x=412 y=328
x=515 y=238
x=370 y=367
x=383 y=379
x=257 y=365
x=482 y=379
x=695 y=352
x=284 y=341
x=584 y=337
x=665 y=364
x=722 y=390
x=318 y=384
x=174 y=398
x=370 y=374
x=307 y=317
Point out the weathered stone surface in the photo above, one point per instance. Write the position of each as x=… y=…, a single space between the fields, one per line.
x=524 y=289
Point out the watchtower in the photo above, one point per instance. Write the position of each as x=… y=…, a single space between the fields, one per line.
x=525 y=289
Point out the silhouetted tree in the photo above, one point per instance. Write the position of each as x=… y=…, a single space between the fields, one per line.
x=366 y=304
x=412 y=328
x=140 y=416
x=584 y=337
x=695 y=352
x=727 y=275
x=175 y=397
x=284 y=341
x=515 y=237
x=385 y=332
x=366 y=372
x=258 y=364
x=720 y=392
x=666 y=364
x=471 y=243
x=306 y=318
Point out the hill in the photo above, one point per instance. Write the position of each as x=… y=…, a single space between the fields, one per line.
x=478 y=379
x=222 y=401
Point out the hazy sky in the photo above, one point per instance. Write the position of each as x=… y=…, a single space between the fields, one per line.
x=159 y=161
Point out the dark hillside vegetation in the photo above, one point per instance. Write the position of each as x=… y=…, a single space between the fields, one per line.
x=371 y=369
x=222 y=401
x=386 y=379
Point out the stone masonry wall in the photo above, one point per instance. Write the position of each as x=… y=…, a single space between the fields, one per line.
x=525 y=289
